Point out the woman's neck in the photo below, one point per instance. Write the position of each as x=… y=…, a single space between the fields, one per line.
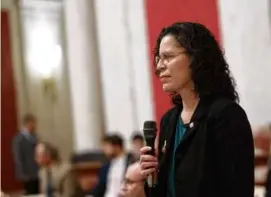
x=190 y=99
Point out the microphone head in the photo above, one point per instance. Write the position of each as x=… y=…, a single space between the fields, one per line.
x=150 y=124
x=149 y=129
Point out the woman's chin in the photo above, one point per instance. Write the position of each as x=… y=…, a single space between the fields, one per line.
x=168 y=88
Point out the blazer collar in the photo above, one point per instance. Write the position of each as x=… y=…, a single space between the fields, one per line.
x=192 y=126
x=198 y=115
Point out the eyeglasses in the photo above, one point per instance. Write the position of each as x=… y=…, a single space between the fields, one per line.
x=166 y=58
x=127 y=181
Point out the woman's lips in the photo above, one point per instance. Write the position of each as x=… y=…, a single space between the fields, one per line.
x=164 y=79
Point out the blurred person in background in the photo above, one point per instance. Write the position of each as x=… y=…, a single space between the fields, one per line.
x=262 y=141
x=205 y=146
x=137 y=142
x=2 y=194
x=112 y=173
x=106 y=146
x=23 y=146
x=133 y=184
x=56 y=177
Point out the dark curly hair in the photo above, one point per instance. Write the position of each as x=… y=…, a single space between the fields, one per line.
x=210 y=71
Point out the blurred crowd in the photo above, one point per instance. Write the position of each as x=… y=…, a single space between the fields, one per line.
x=42 y=171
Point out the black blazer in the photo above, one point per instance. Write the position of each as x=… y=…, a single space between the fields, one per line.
x=215 y=157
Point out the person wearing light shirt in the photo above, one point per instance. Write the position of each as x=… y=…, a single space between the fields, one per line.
x=112 y=173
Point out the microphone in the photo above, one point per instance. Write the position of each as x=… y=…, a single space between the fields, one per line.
x=150 y=131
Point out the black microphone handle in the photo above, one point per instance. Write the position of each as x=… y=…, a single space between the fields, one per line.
x=152 y=179
x=150 y=143
x=150 y=131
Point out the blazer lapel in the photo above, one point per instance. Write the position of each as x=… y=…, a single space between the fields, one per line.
x=172 y=130
x=169 y=138
x=191 y=127
x=195 y=120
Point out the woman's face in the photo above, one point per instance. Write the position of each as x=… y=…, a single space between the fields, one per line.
x=41 y=157
x=173 y=65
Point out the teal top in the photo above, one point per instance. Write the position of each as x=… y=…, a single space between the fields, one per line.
x=180 y=131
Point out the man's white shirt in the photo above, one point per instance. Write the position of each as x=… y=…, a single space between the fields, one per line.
x=115 y=176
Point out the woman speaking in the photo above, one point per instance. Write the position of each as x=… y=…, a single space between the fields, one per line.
x=205 y=145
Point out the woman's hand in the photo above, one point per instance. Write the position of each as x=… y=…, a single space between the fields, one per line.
x=148 y=163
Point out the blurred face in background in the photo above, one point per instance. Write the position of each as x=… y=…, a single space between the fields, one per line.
x=137 y=144
x=133 y=185
x=30 y=125
x=110 y=150
x=262 y=139
x=107 y=149
x=41 y=156
x=86 y=181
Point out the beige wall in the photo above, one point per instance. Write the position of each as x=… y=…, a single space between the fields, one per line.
x=246 y=34
x=54 y=118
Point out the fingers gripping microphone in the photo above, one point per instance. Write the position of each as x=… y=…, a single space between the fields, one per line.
x=150 y=131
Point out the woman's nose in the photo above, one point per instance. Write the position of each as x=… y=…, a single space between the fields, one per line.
x=160 y=67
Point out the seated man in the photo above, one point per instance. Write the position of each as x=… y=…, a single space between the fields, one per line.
x=112 y=173
x=132 y=185
x=56 y=178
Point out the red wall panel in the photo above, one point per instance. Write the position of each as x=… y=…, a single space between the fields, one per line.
x=160 y=13
x=8 y=109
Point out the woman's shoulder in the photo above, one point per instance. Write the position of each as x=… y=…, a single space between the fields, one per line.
x=225 y=107
x=222 y=104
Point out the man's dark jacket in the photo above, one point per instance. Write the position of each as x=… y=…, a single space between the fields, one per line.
x=23 y=149
x=100 y=189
